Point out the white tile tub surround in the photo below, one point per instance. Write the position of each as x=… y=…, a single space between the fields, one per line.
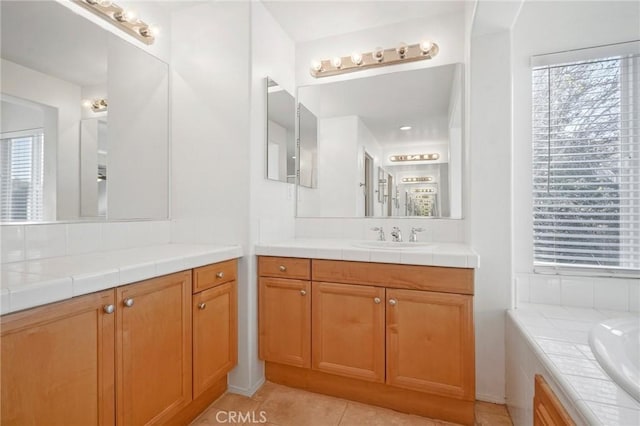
x=436 y=254
x=553 y=340
x=41 y=241
x=616 y=294
x=36 y=282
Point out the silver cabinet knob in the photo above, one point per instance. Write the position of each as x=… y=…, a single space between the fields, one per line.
x=128 y=303
x=376 y=300
x=220 y=274
x=202 y=305
x=393 y=302
x=303 y=292
x=282 y=268
x=109 y=309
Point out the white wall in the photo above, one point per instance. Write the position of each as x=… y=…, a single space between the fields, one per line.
x=489 y=195
x=32 y=85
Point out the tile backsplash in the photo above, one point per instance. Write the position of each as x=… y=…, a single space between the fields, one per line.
x=433 y=230
x=28 y=242
x=617 y=294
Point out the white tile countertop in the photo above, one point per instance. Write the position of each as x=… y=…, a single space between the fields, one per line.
x=37 y=282
x=559 y=336
x=432 y=254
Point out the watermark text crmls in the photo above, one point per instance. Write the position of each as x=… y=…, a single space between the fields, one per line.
x=241 y=417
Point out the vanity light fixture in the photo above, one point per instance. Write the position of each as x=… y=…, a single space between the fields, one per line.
x=405 y=128
x=378 y=57
x=96 y=105
x=423 y=190
x=125 y=19
x=417 y=179
x=415 y=157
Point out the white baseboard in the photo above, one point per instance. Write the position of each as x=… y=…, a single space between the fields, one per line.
x=494 y=399
x=246 y=391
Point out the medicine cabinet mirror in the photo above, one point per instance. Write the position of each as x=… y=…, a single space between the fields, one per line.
x=84 y=131
x=281 y=133
x=406 y=126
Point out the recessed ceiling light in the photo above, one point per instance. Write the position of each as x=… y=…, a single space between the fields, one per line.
x=405 y=128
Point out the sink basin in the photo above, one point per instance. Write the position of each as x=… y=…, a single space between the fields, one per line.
x=390 y=245
x=616 y=345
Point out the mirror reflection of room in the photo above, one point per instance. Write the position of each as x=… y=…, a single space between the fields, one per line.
x=400 y=157
x=281 y=146
x=79 y=107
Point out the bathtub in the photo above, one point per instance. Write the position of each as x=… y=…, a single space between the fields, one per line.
x=616 y=345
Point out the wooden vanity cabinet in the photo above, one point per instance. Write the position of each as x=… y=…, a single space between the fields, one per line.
x=398 y=336
x=284 y=311
x=215 y=324
x=58 y=363
x=153 y=349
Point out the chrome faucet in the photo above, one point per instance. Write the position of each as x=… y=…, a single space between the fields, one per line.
x=414 y=234
x=380 y=231
x=396 y=234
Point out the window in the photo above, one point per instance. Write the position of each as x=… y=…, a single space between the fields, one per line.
x=21 y=175
x=586 y=162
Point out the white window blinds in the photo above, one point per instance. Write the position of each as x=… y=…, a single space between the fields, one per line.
x=586 y=163
x=21 y=176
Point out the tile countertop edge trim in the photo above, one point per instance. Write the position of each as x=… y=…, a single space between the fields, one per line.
x=343 y=250
x=90 y=282
x=566 y=389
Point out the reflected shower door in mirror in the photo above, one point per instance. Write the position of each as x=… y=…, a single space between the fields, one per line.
x=387 y=145
x=281 y=133
x=84 y=120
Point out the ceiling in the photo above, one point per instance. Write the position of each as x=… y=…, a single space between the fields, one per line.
x=418 y=98
x=305 y=20
x=50 y=38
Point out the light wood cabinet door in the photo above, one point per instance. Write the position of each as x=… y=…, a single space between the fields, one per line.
x=215 y=335
x=430 y=342
x=285 y=321
x=58 y=363
x=348 y=331
x=547 y=408
x=153 y=349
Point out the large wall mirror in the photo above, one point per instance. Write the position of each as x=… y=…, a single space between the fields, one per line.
x=387 y=145
x=84 y=129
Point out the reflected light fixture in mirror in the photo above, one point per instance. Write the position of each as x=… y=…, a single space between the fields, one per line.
x=378 y=57
x=415 y=157
x=417 y=179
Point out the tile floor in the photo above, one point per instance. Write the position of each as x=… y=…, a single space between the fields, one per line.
x=283 y=406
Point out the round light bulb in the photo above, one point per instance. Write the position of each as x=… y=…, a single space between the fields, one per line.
x=426 y=46
x=316 y=65
x=402 y=49
x=378 y=54
x=105 y=3
x=87 y=103
x=336 y=62
x=356 y=58
x=130 y=15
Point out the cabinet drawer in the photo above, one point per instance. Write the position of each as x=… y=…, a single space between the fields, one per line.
x=547 y=408
x=284 y=267
x=411 y=277
x=212 y=275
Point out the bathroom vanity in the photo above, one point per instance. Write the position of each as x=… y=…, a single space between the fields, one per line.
x=395 y=335
x=149 y=352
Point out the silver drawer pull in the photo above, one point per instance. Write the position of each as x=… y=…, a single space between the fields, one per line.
x=393 y=302
x=303 y=292
x=220 y=274
x=109 y=309
x=283 y=268
x=128 y=303
x=202 y=305
x=376 y=300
